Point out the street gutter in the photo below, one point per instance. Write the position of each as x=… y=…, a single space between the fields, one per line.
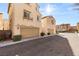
x=7 y=43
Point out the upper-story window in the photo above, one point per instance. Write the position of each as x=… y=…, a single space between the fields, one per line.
x=28 y=3
x=26 y=14
x=36 y=9
x=38 y=18
x=52 y=21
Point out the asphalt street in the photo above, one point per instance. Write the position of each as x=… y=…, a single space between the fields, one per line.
x=66 y=44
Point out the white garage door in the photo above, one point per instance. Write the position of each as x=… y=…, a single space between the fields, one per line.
x=50 y=31
x=29 y=32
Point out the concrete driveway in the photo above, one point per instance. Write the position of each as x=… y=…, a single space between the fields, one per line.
x=73 y=39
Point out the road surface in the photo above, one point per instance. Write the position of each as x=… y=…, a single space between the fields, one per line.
x=66 y=44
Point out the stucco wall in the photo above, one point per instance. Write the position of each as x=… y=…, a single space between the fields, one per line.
x=78 y=27
x=1 y=21
x=47 y=26
x=17 y=19
x=6 y=24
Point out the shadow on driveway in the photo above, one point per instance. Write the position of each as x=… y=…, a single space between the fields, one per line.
x=48 y=46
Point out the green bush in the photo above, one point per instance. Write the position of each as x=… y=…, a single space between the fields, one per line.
x=42 y=34
x=1 y=38
x=57 y=32
x=17 y=38
x=77 y=31
x=48 y=33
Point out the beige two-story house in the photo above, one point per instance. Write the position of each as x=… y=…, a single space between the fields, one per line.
x=6 y=24
x=1 y=21
x=78 y=27
x=24 y=19
x=48 y=25
x=63 y=27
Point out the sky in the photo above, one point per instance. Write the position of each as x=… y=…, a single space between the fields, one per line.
x=62 y=12
x=3 y=9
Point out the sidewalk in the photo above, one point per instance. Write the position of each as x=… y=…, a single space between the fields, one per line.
x=73 y=41
x=78 y=34
x=10 y=42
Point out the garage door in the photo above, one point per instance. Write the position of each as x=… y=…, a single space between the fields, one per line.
x=29 y=32
x=50 y=31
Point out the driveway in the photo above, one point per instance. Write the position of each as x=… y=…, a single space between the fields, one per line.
x=49 y=46
x=73 y=39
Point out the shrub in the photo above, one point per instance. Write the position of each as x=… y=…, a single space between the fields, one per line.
x=77 y=31
x=1 y=38
x=48 y=33
x=57 y=32
x=17 y=38
x=42 y=34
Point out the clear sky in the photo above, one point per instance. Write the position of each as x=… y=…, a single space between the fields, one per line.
x=62 y=12
x=3 y=9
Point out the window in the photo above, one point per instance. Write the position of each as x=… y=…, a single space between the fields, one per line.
x=38 y=18
x=36 y=9
x=52 y=21
x=26 y=14
x=28 y=3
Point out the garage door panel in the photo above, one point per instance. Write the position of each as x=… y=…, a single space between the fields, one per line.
x=29 y=32
x=51 y=31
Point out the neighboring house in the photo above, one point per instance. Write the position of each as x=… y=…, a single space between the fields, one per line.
x=58 y=28
x=78 y=27
x=1 y=21
x=24 y=19
x=48 y=25
x=6 y=25
x=73 y=29
x=63 y=27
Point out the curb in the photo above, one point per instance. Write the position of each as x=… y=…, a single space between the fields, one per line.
x=7 y=43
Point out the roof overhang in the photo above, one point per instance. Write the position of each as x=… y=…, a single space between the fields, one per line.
x=1 y=13
x=8 y=7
